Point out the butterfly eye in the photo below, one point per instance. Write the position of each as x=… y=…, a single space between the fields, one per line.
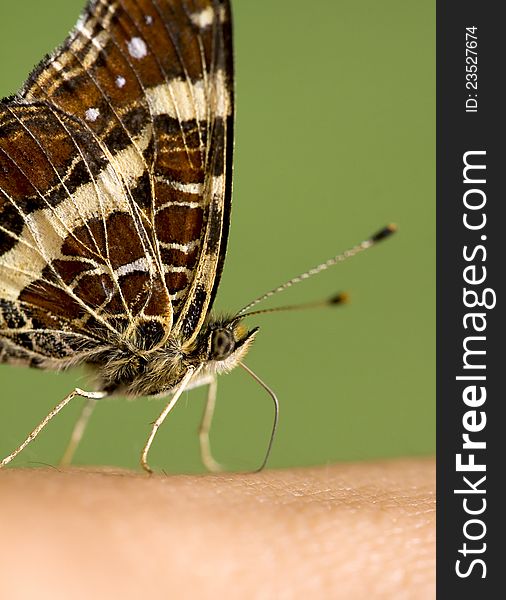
x=222 y=344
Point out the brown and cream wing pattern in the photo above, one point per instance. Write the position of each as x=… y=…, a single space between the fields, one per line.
x=115 y=177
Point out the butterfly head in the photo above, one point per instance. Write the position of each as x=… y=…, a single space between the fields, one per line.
x=223 y=343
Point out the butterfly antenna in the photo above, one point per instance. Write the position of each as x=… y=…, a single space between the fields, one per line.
x=337 y=299
x=340 y=298
x=276 y=414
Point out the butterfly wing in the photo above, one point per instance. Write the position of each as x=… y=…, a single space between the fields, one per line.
x=115 y=177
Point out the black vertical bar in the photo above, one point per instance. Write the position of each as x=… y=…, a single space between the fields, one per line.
x=477 y=128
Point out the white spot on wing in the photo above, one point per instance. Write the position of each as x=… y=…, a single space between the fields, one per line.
x=204 y=18
x=92 y=114
x=149 y=20
x=120 y=81
x=137 y=48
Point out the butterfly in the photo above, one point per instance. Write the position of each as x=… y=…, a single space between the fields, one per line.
x=115 y=196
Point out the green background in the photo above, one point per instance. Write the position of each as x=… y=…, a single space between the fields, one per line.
x=335 y=138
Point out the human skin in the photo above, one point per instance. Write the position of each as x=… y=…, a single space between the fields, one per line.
x=354 y=531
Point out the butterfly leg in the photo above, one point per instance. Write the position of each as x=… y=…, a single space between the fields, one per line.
x=45 y=421
x=205 y=426
x=78 y=432
x=163 y=415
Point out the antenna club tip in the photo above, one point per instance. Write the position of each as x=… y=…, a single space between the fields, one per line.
x=341 y=298
x=384 y=233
